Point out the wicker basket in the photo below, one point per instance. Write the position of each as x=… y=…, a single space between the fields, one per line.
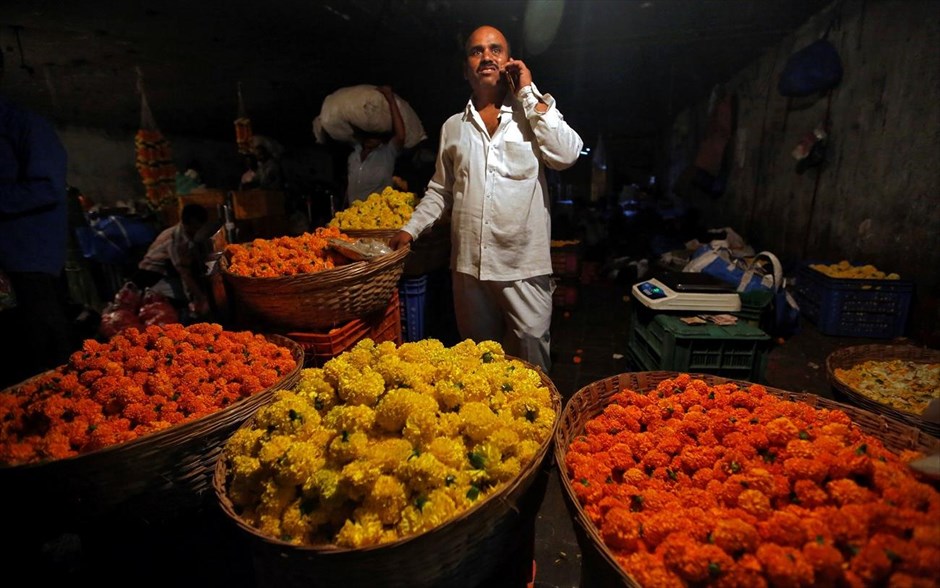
x=321 y=299
x=599 y=567
x=850 y=356
x=154 y=477
x=462 y=552
x=378 y=234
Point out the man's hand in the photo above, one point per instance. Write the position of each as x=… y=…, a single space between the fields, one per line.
x=400 y=239
x=520 y=75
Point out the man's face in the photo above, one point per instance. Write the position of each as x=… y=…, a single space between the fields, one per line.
x=486 y=53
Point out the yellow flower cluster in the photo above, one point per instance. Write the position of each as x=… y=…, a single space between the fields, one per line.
x=389 y=210
x=844 y=269
x=382 y=442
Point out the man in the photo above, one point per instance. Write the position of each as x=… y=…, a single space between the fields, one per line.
x=371 y=165
x=490 y=176
x=33 y=232
x=171 y=265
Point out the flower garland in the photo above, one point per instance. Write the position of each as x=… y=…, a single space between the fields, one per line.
x=692 y=484
x=389 y=209
x=139 y=382
x=385 y=442
x=154 y=161
x=286 y=256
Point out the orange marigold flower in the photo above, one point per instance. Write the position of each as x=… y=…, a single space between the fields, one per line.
x=621 y=529
x=649 y=570
x=735 y=536
x=826 y=561
x=785 y=566
x=846 y=491
x=755 y=502
x=782 y=528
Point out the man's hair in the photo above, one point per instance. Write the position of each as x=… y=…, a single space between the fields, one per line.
x=194 y=214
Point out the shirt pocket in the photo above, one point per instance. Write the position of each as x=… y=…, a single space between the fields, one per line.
x=520 y=161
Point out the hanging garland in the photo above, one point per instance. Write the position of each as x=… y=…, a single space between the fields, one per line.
x=154 y=157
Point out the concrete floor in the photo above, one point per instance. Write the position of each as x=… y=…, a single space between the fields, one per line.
x=204 y=549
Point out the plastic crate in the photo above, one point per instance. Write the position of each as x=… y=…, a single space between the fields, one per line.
x=853 y=307
x=663 y=342
x=566 y=261
x=380 y=326
x=413 y=295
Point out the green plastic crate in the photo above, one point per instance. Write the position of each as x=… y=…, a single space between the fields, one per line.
x=663 y=342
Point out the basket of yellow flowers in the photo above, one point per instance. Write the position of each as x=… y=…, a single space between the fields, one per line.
x=379 y=216
x=416 y=465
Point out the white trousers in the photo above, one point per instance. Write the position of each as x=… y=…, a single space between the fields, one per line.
x=517 y=314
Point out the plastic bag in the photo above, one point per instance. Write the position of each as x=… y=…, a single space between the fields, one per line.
x=815 y=68
x=364 y=107
x=115 y=319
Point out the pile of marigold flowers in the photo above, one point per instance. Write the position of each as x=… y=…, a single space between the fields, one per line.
x=389 y=209
x=137 y=383
x=286 y=256
x=691 y=484
x=384 y=442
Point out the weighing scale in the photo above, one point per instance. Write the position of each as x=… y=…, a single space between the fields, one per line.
x=687 y=291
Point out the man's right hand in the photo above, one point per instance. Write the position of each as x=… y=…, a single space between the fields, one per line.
x=400 y=239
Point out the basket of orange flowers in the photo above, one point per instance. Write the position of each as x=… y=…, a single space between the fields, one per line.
x=302 y=283
x=133 y=425
x=414 y=466
x=681 y=479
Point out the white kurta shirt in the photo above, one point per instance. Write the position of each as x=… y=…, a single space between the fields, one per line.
x=372 y=175
x=494 y=187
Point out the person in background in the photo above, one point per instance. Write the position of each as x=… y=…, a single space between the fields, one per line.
x=172 y=265
x=268 y=172
x=490 y=177
x=371 y=165
x=33 y=235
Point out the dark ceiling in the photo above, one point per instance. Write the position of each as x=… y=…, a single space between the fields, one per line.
x=619 y=67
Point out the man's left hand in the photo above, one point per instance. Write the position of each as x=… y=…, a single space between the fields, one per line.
x=519 y=73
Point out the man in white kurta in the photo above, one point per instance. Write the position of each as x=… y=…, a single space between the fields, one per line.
x=490 y=178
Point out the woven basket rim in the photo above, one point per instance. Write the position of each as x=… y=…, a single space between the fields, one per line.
x=219 y=484
x=847 y=357
x=561 y=443
x=177 y=430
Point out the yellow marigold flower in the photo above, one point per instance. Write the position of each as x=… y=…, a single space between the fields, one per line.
x=245 y=486
x=274 y=499
x=387 y=454
x=505 y=439
x=273 y=450
x=527 y=449
x=366 y=530
x=427 y=512
x=387 y=499
x=288 y=413
x=326 y=485
x=364 y=386
x=421 y=427
x=314 y=386
x=423 y=473
x=506 y=470
x=245 y=442
x=301 y=461
x=451 y=451
x=346 y=446
x=449 y=423
x=296 y=524
x=397 y=405
x=350 y=418
x=475 y=387
x=449 y=395
x=358 y=476
x=479 y=422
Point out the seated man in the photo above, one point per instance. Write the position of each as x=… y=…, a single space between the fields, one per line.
x=172 y=266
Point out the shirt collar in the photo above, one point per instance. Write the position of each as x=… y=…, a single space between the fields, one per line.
x=470 y=108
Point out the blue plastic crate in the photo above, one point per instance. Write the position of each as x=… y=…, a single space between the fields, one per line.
x=412 y=292
x=853 y=307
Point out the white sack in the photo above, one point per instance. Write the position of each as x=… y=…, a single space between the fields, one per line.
x=365 y=107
